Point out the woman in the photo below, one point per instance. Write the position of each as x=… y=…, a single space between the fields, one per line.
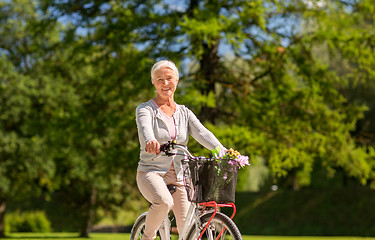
x=161 y=120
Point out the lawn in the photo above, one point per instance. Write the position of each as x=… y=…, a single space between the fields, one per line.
x=126 y=236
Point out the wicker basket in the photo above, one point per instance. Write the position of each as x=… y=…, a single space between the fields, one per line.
x=210 y=181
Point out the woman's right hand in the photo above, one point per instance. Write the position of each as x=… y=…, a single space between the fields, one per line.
x=153 y=146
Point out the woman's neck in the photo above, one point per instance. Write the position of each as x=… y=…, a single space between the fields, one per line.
x=164 y=101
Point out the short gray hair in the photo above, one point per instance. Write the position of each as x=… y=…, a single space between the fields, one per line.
x=164 y=63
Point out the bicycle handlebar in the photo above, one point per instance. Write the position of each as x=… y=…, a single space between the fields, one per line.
x=168 y=147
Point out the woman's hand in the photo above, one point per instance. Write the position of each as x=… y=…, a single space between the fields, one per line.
x=153 y=146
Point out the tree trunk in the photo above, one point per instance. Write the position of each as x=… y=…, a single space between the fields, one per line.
x=294 y=179
x=209 y=72
x=2 y=217
x=88 y=214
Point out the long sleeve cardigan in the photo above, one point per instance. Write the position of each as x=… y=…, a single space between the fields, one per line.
x=151 y=126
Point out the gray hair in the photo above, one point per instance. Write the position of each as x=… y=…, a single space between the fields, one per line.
x=164 y=63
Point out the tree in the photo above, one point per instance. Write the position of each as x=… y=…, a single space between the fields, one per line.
x=25 y=165
x=344 y=44
x=86 y=95
x=279 y=81
x=98 y=152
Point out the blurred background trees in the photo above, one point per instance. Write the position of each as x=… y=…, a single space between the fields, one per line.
x=289 y=83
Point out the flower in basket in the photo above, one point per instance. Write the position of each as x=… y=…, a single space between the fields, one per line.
x=225 y=169
x=233 y=157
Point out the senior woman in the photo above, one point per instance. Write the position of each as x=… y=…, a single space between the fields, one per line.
x=161 y=120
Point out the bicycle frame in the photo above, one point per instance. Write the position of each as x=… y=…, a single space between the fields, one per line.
x=191 y=218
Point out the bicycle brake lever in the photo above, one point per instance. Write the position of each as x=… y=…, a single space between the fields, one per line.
x=167 y=147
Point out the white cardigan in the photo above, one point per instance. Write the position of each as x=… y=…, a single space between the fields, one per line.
x=151 y=126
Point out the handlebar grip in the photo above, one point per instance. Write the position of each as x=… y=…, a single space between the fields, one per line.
x=164 y=147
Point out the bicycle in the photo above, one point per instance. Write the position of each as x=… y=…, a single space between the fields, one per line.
x=204 y=220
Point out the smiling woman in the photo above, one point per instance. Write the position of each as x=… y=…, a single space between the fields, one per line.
x=159 y=121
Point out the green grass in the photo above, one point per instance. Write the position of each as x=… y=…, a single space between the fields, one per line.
x=126 y=236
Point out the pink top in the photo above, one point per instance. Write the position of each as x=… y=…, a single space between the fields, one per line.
x=169 y=121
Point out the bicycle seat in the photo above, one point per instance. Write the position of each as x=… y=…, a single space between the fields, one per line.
x=171 y=188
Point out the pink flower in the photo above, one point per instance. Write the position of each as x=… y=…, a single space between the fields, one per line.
x=243 y=160
x=240 y=160
x=225 y=176
x=220 y=155
x=232 y=162
x=233 y=157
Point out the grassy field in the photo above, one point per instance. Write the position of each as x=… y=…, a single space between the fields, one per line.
x=126 y=236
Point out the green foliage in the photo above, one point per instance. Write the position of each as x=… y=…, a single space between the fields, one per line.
x=35 y=221
x=24 y=159
x=70 y=105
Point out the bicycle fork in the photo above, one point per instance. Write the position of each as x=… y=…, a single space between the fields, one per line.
x=164 y=229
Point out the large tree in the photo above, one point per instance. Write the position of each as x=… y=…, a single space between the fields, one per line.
x=278 y=90
x=26 y=104
x=83 y=105
x=26 y=168
x=98 y=148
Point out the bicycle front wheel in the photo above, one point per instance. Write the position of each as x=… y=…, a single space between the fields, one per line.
x=221 y=227
x=139 y=228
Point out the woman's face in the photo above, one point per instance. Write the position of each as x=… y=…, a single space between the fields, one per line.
x=165 y=82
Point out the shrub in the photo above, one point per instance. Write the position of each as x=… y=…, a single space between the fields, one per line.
x=35 y=221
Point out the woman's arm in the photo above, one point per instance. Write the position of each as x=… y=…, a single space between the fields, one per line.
x=144 y=125
x=201 y=133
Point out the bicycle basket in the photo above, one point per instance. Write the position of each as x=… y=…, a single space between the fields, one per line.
x=210 y=181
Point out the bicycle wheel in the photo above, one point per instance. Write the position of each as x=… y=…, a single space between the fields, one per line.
x=216 y=226
x=139 y=227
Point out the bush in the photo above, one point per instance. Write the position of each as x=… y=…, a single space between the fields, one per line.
x=35 y=221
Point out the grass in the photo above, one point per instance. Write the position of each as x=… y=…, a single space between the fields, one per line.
x=126 y=236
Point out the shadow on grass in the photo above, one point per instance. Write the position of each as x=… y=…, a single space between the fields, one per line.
x=41 y=237
x=67 y=236
x=45 y=236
